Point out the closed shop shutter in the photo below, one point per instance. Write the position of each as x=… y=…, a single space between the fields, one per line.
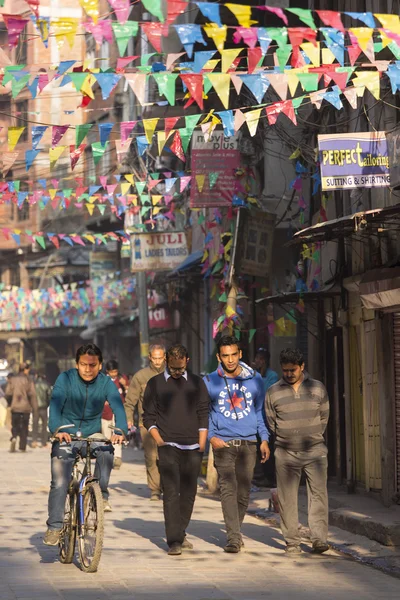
x=396 y=346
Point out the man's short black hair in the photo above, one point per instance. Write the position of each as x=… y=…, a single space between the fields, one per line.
x=177 y=351
x=90 y=349
x=291 y=356
x=227 y=340
x=111 y=365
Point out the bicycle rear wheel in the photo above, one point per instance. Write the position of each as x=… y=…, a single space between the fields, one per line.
x=90 y=541
x=68 y=534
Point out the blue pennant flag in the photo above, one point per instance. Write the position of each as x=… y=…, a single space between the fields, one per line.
x=107 y=82
x=201 y=58
x=30 y=156
x=105 y=130
x=142 y=144
x=32 y=87
x=37 y=134
x=21 y=198
x=190 y=34
x=63 y=67
x=263 y=39
x=367 y=18
x=210 y=11
x=333 y=97
x=393 y=73
x=227 y=122
x=257 y=84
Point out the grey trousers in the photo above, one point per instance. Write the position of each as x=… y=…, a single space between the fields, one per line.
x=289 y=467
x=151 y=458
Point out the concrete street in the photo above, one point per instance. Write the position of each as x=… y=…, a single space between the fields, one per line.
x=134 y=562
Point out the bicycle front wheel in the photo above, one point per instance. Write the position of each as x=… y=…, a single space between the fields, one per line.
x=68 y=533
x=90 y=541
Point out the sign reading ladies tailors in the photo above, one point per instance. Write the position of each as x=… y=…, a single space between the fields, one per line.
x=158 y=251
x=353 y=160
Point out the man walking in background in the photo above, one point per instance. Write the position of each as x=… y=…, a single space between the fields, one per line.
x=297 y=409
x=261 y=364
x=107 y=418
x=236 y=418
x=43 y=395
x=134 y=398
x=176 y=415
x=21 y=390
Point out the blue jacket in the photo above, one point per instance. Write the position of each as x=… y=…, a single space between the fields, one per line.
x=240 y=417
x=269 y=379
x=81 y=403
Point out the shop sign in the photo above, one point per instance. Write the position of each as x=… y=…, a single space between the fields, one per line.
x=157 y=251
x=159 y=318
x=255 y=236
x=353 y=160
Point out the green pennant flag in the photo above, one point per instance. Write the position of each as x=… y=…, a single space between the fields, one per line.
x=8 y=72
x=201 y=219
x=166 y=85
x=207 y=84
x=17 y=85
x=308 y=81
x=17 y=184
x=140 y=185
x=155 y=175
x=78 y=79
x=237 y=334
x=304 y=15
x=123 y=33
x=144 y=210
x=279 y=34
x=81 y=132
x=283 y=54
x=67 y=192
x=40 y=240
x=297 y=101
x=212 y=178
x=291 y=316
x=154 y=7
x=98 y=151
x=102 y=208
x=217 y=267
x=394 y=49
x=223 y=298
x=145 y=198
x=186 y=136
x=251 y=334
x=191 y=121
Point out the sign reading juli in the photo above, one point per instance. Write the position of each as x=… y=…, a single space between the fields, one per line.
x=157 y=251
x=354 y=160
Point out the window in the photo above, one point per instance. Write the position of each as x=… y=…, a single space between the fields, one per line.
x=21 y=51
x=21 y=108
x=23 y=212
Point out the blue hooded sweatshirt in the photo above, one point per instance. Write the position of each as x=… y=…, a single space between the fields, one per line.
x=240 y=414
x=79 y=402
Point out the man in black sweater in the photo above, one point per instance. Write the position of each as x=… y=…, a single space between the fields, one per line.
x=175 y=412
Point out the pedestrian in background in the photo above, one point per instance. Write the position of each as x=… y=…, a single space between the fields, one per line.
x=107 y=418
x=134 y=398
x=236 y=418
x=264 y=473
x=176 y=415
x=21 y=390
x=297 y=409
x=43 y=395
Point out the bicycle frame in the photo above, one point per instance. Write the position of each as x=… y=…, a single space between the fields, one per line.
x=82 y=483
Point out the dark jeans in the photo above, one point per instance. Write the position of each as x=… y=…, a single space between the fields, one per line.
x=62 y=461
x=41 y=416
x=235 y=467
x=19 y=428
x=179 y=470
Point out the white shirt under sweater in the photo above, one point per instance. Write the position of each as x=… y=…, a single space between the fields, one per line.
x=167 y=375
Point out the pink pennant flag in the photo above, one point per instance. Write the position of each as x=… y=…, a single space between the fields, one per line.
x=239 y=120
x=57 y=133
x=152 y=183
x=184 y=182
x=171 y=58
x=123 y=61
x=126 y=129
x=122 y=8
x=43 y=81
x=103 y=181
x=276 y=11
x=15 y=26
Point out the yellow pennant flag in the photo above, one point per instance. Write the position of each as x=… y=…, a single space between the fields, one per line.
x=205 y=256
x=14 y=133
x=363 y=36
x=149 y=128
x=132 y=199
x=242 y=13
x=221 y=83
x=156 y=210
x=217 y=34
x=228 y=56
x=252 y=117
x=129 y=177
x=161 y=139
x=125 y=186
x=90 y=208
x=91 y=8
x=52 y=193
x=229 y=311
x=313 y=52
x=211 y=64
x=89 y=238
x=156 y=199
x=92 y=199
x=65 y=29
x=200 y=179
x=390 y=22
x=86 y=87
x=370 y=80
x=293 y=81
x=327 y=56
x=385 y=39
x=54 y=154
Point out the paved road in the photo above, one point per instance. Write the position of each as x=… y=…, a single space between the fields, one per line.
x=134 y=563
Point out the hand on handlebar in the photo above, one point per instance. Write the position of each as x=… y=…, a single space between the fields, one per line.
x=63 y=436
x=117 y=439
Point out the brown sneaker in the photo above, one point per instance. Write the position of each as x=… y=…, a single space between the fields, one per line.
x=52 y=537
x=319 y=547
x=232 y=547
x=175 y=549
x=293 y=549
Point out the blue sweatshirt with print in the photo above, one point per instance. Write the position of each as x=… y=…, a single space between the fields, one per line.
x=236 y=412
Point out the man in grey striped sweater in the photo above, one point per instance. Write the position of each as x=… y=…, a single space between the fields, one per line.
x=297 y=410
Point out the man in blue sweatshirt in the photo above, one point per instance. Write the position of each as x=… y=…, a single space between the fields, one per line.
x=236 y=417
x=78 y=398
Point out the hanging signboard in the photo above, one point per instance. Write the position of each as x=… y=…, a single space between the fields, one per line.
x=354 y=160
x=157 y=251
x=213 y=166
x=252 y=248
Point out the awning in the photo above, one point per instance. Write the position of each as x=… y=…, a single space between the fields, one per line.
x=380 y=289
x=360 y=223
x=190 y=261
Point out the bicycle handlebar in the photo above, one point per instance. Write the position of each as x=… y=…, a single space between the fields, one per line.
x=79 y=438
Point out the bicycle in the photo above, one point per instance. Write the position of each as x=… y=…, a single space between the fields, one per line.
x=83 y=512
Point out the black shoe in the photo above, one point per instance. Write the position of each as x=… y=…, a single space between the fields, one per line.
x=232 y=547
x=320 y=547
x=293 y=549
x=175 y=549
x=13 y=445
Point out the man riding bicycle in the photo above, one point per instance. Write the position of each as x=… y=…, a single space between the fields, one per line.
x=78 y=398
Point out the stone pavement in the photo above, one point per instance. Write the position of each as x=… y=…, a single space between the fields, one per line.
x=135 y=565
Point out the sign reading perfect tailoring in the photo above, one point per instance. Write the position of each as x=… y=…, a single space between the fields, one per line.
x=158 y=251
x=353 y=160
x=213 y=170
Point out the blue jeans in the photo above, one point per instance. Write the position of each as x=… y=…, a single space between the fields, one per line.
x=62 y=462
